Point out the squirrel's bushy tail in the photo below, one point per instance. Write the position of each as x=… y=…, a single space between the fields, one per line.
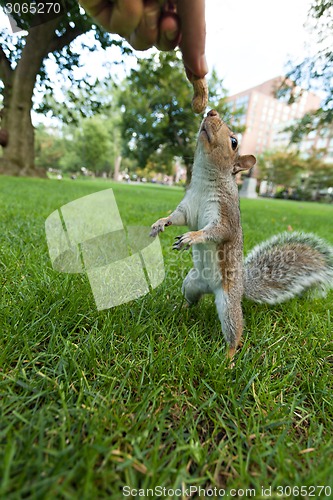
x=287 y=265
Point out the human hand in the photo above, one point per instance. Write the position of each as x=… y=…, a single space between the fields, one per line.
x=161 y=23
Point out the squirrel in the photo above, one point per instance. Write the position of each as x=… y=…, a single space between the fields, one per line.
x=274 y=271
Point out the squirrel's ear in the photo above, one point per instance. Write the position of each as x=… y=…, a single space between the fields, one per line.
x=244 y=162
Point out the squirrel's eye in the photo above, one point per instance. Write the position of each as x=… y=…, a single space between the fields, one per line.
x=234 y=142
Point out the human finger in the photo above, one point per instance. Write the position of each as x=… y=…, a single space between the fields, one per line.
x=118 y=16
x=95 y=7
x=193 y=38
x=126 y=16
x=146 y=34
x=169 y=31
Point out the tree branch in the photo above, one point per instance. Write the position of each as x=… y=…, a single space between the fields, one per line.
x=5 y=68
x=59 y=42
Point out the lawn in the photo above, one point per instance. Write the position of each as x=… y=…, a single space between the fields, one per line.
x=140 y=396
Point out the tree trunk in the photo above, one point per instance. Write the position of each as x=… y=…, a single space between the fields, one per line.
x=18 y=154
x=117 y=163
x=188 y=173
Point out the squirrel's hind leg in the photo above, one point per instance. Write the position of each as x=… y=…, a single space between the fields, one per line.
x=229 y=309
x=194 y=287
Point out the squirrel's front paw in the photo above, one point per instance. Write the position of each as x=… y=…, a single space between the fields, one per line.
x=183 y=241
x=188 y=239
x=159 y=226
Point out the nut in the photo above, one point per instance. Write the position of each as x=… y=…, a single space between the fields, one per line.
x=200 y=97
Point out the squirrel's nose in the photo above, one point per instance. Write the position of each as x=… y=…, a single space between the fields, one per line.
x=212 y=112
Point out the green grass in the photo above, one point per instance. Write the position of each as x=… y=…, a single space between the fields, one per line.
x=141 y=394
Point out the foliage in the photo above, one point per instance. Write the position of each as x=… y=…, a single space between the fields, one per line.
x=306 y=175
x=25 y=64
x=156 y=112
x=281 y=167
x=72 y=23
x=141 y=394
x=320 y=173
x=81 y=100
x=158 y=122
x=93 y=142
x=93 y=146
x=49 y=147
x=314 y=73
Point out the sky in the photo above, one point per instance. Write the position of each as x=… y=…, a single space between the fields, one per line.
x=248 y=42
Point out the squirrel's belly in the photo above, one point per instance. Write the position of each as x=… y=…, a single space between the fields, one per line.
x=209 y=213
x=201 y=211
x=205 y=261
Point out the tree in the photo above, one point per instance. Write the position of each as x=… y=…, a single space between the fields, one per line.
x=314 y=73
x=92 y=134
x=83 y=99
x=49 y=148
x=307 y=176
x=281 y=167
x=158 y=122
x=22 y=64
x=89 y=146
x=89 y=133
x=320 y=173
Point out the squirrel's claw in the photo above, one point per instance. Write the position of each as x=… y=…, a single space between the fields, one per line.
x=184 y=241
x=188 y=239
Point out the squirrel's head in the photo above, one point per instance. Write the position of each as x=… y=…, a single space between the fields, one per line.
x=219 y=145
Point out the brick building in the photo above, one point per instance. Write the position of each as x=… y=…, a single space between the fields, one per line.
x=265 y=117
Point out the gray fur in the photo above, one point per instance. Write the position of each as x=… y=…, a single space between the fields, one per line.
x=287 y=265
x=276 y=270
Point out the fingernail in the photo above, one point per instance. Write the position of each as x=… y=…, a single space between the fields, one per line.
x=151 y=19
x=171 y=35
